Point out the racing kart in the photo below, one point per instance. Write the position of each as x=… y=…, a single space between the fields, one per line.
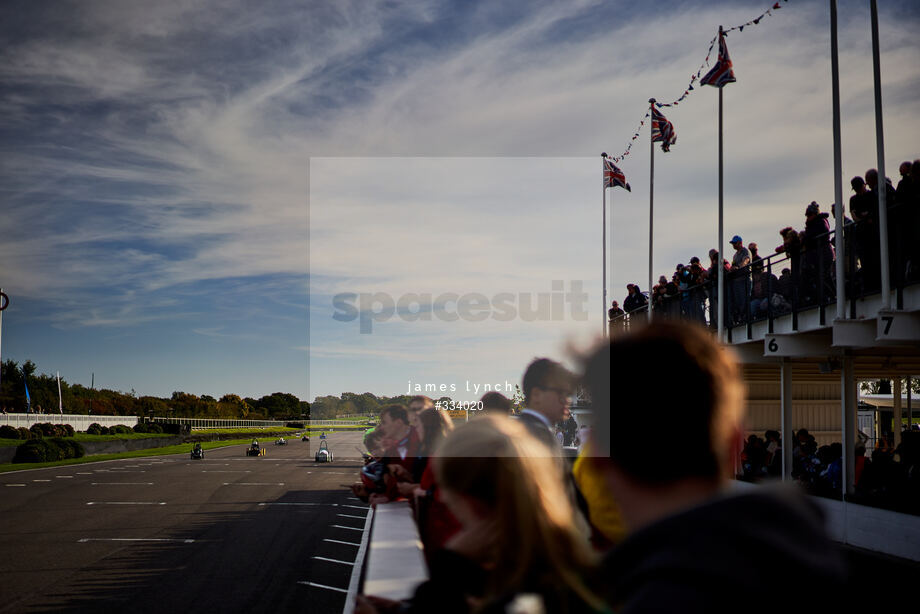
x=280 y=442
x=324 y=454
x=197 y=452
x=255 y=450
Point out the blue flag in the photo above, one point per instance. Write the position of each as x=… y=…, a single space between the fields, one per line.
x=28 y=398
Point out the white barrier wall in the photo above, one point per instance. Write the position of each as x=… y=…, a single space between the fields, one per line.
x=79 y=422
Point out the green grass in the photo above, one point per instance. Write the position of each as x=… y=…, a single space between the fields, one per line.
x=184 y=448
x=246 y=429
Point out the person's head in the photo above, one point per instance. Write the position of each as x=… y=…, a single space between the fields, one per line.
x=904 y=168
x=495 y=476
x=547 y=386
x=752 y=247
x=496 y=403
x=630 y=288
x=713 y=255
x=915 y=170
x=433 y=426
x=373 y=441
x=872 y=178
x=858 y=184
x=709 y=414
x=417 y=404
x=771 y=435
x=694 y=260
x=737 y=243
x=394 y=420
x=812 y=210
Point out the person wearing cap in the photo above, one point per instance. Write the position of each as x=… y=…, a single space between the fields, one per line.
x=740 y=280
x=615 y=317
x=864 y=209
x=819 y=254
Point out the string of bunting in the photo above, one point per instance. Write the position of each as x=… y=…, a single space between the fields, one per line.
x=695 y=77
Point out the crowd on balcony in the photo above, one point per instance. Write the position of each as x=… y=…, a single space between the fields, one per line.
x=801 y=270
x=510 y=523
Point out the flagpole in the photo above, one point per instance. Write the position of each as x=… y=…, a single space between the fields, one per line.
x=651 y=209
x=604 y=258
x=838 y=169
x=882 y=186
x=721 y=302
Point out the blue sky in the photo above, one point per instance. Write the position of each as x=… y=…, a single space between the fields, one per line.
x=186 y=186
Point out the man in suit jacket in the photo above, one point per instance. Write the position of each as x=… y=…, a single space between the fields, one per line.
x=547 y=388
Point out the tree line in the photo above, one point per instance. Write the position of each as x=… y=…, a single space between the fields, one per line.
x=77 y=399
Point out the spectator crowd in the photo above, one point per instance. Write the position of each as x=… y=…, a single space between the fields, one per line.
x=805 y=261
x=513 y=520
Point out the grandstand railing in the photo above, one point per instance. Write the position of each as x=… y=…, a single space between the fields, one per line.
x=231 y=423
x=810 y=286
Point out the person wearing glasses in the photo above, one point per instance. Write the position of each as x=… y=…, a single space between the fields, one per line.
x=547 y=387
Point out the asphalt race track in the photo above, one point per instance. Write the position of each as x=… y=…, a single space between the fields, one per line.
x=228 y=533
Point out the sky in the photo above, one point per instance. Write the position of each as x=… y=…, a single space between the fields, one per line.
x=249 y=197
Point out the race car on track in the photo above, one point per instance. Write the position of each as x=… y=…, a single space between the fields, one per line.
x=324 y=454
x=305 y=438
x=280 y=442
x=254 y=449
x=197 y=452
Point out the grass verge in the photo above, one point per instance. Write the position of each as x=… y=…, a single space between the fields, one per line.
x=183 y=448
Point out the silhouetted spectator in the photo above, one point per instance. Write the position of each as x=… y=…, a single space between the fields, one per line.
x=740 y=280
x=792 y=246
x=818 y=254
x=635 y=301
x=864 y=209
x=784 y=293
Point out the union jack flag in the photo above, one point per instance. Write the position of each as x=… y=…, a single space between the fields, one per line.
x=721 y=72
x=614 y=177
x=662 y=130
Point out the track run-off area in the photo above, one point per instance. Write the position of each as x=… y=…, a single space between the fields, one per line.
x=229 y=533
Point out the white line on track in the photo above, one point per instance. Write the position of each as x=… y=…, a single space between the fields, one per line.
x=41 y=480
x=351 y=516
x=279 y=503
x=331 y=588
x=357 y=507
x=64 y=477
x=227 y=471
x=84 y=473
x=253 y=483
x=338 y=526
x=121 y=483
x=339 y=541
x=15 y=485
x=126 y=503
x=322 y=558
x=133 y=539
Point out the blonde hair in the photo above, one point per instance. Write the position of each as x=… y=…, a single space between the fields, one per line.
x=524 y=489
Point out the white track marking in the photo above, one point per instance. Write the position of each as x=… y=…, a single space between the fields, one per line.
x=126 y=503
x=357 y=507
x=322 y=558
x=351 y=516
x=8 y=485
x=339 y=541
x=338 y=526
x=331 y=588
x=227 y=471
x=121 y=483
x=253 y=483
x=133 y=539
x=41 y=480
x=64 y=477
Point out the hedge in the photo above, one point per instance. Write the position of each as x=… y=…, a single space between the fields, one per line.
x=48 y=450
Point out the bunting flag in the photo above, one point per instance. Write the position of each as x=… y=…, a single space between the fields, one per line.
x=614 y=177
x=662 y=130
x=697 y=75
x=722 y=72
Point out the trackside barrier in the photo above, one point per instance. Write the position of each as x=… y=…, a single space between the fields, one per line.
x=79 y=422
x=395 y=563
x=870 y=528
x=230 y=423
